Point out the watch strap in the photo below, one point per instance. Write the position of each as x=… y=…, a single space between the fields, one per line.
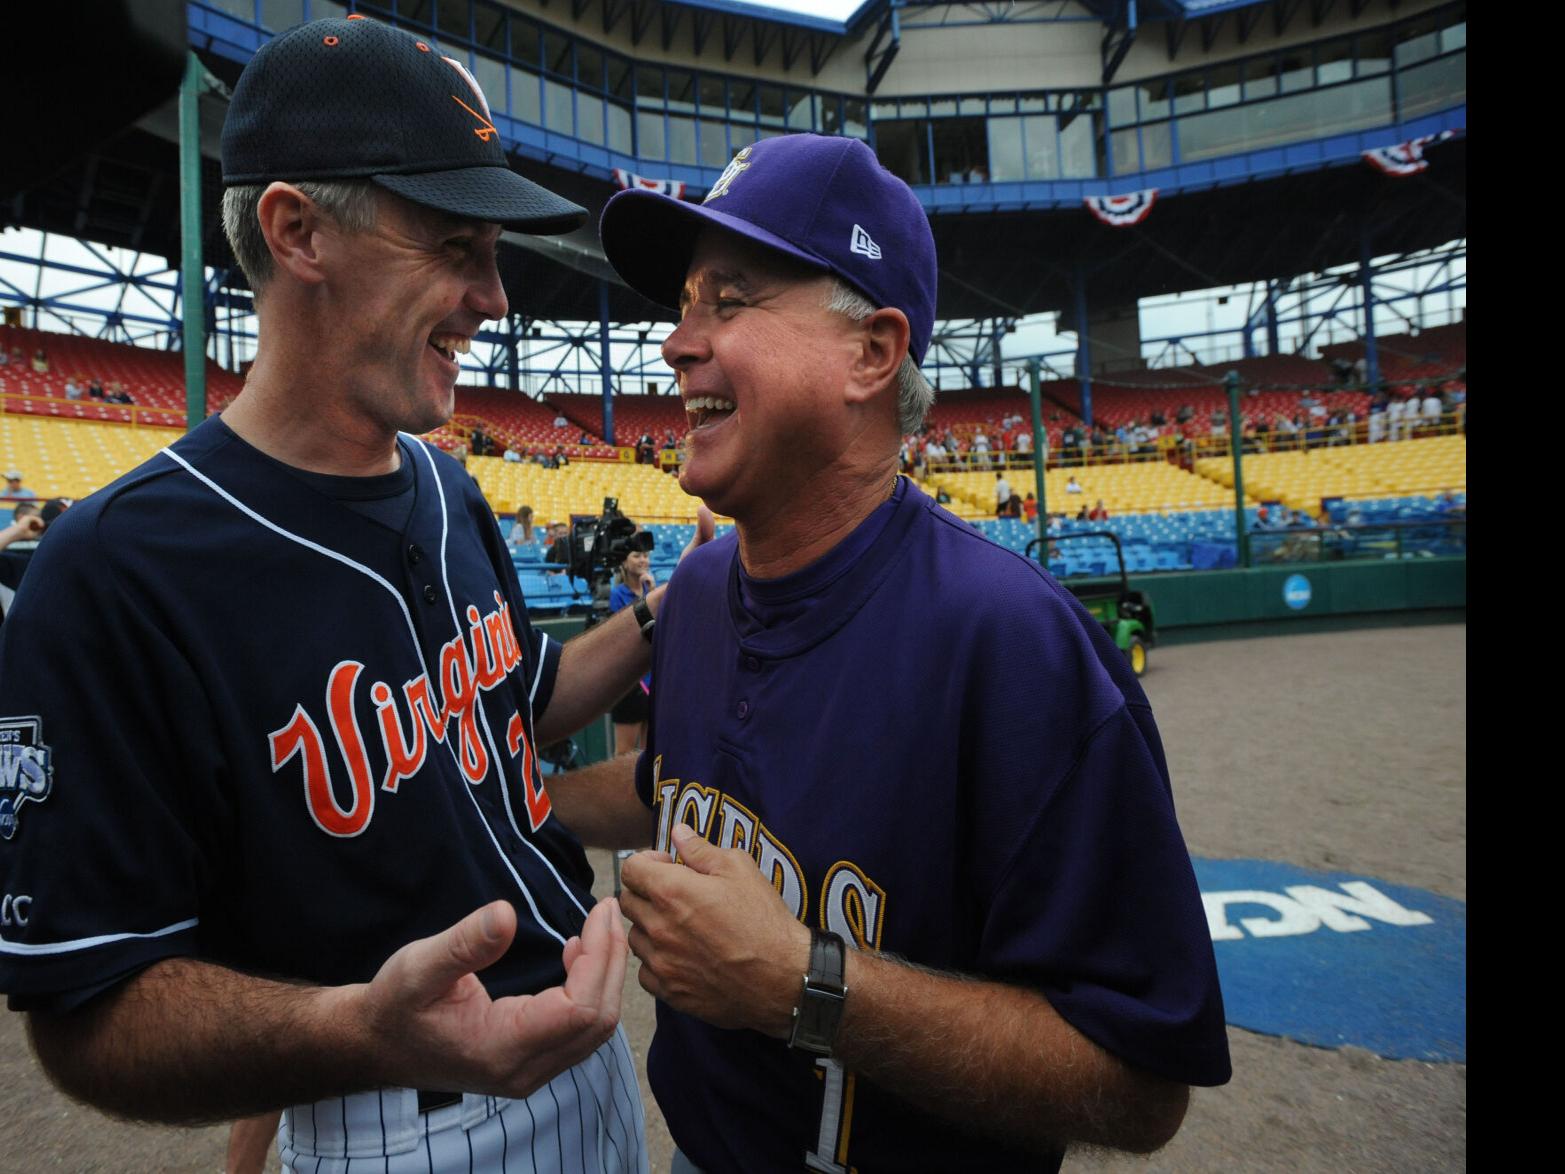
x=644 y=618
x=819 y=1012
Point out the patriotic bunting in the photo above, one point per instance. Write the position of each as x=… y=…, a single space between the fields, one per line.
x=667 y=187
x=1119 y=211
x=1405 y=158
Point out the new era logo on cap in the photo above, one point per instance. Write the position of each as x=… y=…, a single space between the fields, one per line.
x=864 y=243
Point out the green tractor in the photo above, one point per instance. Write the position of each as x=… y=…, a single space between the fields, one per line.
x=1126 y=615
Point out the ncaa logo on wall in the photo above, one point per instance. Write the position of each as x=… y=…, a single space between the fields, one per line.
x=1296 y=592
x=26 y=770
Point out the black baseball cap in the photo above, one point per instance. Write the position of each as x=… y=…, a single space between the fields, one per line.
x=356 y=99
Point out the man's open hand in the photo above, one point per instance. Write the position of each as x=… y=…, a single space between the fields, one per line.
x=431 y=1024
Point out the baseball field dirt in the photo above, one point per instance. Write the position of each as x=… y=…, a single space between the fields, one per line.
x=1338 y=751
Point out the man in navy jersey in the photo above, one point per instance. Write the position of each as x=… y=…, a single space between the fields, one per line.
x=273 y=833
x=920 y=900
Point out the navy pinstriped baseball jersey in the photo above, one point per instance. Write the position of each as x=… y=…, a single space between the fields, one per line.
x=932 y=749
x=246 y=721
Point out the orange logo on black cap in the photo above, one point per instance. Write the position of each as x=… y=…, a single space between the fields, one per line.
x=485 y=130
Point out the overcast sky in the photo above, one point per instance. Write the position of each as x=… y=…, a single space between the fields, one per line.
x=830 y=9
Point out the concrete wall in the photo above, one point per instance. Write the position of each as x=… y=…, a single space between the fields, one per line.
x=967 y=60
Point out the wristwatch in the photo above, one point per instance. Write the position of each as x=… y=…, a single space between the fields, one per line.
x=644 y=618
x=819 y=1013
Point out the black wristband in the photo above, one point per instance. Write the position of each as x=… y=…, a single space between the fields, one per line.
x=644 y=618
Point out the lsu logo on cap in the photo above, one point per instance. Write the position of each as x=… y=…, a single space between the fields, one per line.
x=736 y=167
x=26 y=772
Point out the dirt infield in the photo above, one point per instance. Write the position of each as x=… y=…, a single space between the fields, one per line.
x=1341 y=751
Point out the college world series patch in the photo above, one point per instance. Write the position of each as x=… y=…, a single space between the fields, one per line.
x=26 y=772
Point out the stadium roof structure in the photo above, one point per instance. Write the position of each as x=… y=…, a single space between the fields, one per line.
x=1306 y=211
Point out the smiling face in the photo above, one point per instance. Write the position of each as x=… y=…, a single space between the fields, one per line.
x=761 y=366
x=398 y=304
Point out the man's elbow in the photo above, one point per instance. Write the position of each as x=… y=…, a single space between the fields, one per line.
x=63 y=1049
x=1157 y=1117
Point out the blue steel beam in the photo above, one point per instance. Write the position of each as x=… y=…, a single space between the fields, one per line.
x=1118 y=37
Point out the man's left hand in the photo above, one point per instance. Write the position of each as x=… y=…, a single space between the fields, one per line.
x=714 y=937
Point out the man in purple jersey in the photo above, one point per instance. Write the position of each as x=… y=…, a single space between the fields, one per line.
x=273 y=833
x=920 y=900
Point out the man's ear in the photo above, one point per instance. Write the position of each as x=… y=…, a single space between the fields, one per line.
x=883 y=343
x=290 y=222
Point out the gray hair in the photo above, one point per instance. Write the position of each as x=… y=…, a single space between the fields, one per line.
x=914 y=395
x=351 y=203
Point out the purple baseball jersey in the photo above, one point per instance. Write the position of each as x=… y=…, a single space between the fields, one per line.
x=248 y=721
x=931 y=748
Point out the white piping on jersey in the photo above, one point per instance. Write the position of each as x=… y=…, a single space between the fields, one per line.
x=88 y=943
x=543 y=654
x=483 y=717
x=412 y=635
x=292 y=537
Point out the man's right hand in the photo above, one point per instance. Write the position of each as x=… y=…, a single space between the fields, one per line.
x=429 y=1023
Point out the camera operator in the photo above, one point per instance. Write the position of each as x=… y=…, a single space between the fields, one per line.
x=630 y=712
x=20 y=539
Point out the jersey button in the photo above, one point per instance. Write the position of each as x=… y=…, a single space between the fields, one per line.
x=742 y=710
x=752 y=664
x=430 y=595
x=415 y=555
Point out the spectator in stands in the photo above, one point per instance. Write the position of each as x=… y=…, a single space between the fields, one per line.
x=1098 y=513
x=1433 y=408
x=41 y=361
x=980 y=448
x=585 y=438
x=1184 y=415
x=1396 y=416
x=646 y=450
x=95 y=390
x=118 y=394
x=1073 y=486
x=561 y=422
x=1023 y=444
x=5 y=357
x=73 y=390
x=511 y=456
x=1002 y=491
x=14 y=487
x=1030 y=508
x=29 y=521
x=1447 y=504
x=522 y=528
x=559 y=545
x=561 y=458
x=1082 y=513
x=1012 y=507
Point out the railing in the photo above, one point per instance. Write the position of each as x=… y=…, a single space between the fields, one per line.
x=95 y=411
x=1383 y=540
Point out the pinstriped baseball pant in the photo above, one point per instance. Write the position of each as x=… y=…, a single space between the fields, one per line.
x=587 y=1120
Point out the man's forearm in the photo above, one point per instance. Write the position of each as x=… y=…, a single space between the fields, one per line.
x=600 y=805
x=997 y=1059
x=186 y=1042
x=597 y=668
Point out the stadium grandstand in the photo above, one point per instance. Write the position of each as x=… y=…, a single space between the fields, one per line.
x=1167 y=230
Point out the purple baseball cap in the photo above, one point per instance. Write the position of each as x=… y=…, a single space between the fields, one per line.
x=822 y=200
